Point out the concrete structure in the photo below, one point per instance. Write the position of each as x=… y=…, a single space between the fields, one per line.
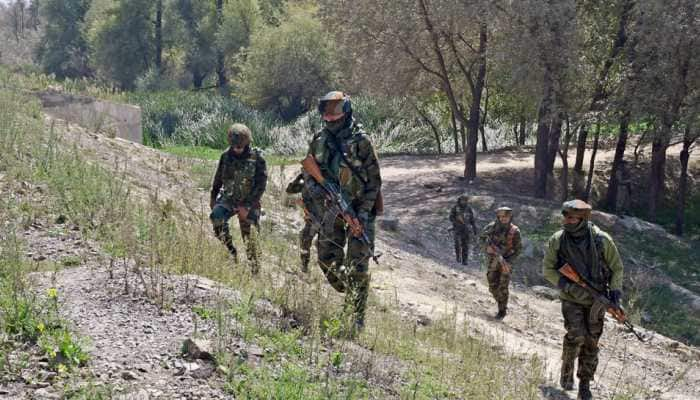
x=112 y=119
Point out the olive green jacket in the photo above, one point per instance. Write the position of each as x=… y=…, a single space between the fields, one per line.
x=610 y=258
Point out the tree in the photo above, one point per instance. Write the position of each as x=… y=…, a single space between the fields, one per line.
x=63 y=50
x=239 y=20
x=199 y=21
x=689 y=138
x=289 y=65
x=419 y=47
x=665 y=69
x=123 y=42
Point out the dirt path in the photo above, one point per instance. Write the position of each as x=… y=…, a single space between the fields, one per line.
x=417 y=267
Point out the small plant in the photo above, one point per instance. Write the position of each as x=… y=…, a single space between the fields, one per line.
x=63 y=350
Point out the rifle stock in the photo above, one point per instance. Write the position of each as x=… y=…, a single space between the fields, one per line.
x=616 y=311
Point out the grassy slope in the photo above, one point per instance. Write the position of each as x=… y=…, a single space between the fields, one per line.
x=308 y=359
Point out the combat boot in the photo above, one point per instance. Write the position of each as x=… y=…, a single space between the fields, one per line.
x=584 y=390
x=566 y=379
x=502 y=311
x=305 y=262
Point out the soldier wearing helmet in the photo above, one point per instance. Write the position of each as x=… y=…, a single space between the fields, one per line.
x=593 y=254
x=502 y=244
x=238 y=186
x=460 y=215
x=347 y=158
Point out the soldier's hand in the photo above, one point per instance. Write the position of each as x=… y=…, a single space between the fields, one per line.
x=490 y=250
x=242 y=213
x=615 y=296
x=563 y=284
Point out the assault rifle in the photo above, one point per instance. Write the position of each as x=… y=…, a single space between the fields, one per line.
x=613 y=309
x=498 y=253
x=338 y=204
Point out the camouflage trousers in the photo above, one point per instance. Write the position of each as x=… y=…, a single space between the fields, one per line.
x=498 y=283
x=306 y=238
x=461 y=238
x=220 y=216
x=346 y=273
x=584 y=326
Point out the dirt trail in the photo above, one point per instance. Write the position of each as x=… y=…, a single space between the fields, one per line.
x=421 y=272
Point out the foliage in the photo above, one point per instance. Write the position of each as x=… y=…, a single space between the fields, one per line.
x=287 y=66
x=63 y=49
x=122 y=42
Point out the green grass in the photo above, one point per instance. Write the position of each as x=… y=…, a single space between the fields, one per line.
x=668 y=317
x=208 y=153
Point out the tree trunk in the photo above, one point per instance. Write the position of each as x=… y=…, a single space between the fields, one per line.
x=542 y=145
x=611 y=196
x=591 y=165
x=553 y=146
x=657 y=171
x=475 y=109
x=159 y=36
x=683 y=182
x=523 y=131
x=433 y=128
x=222 y=79
x=564 y=154
x=455 y=131
x=482 y=125
x=578 y=162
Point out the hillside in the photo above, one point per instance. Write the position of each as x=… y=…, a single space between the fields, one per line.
x=137 y=271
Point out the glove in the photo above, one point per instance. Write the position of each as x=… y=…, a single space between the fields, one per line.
x=615 y=296
x=563 y=284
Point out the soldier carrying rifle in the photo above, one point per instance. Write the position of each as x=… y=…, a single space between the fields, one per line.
x=502 y=244
x=342 y=161
x=583 y=262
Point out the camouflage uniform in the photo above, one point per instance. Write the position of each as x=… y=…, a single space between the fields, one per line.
x=593 y=254
x=506 y=239
x=239 y=181
x=346 y=158
x=312 y=217
x=460 y=215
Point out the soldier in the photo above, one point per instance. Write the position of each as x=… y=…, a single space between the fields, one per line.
x=346 y=158
x=501 y=240
x=592 y=253
x=239 y=183
x=312 y=217
x=460 y=214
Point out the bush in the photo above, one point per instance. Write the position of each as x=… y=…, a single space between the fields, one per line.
x=289 y=65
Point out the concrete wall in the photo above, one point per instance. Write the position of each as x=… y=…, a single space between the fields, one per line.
x=112 y=119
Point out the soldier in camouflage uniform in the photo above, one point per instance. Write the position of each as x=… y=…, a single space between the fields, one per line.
x=593 y=254
x=239 y=183
x=501 y=237
x=312 y=217
x=346 y=158
x=460 y=215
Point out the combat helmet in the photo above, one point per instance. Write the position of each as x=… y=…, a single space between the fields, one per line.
x=239 y=135
x=504 y=210
x=577 y=208
x=334 y=106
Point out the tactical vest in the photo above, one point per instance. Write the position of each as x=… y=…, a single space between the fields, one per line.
x=605 y=272
x=335 y=167
x=504 y=242
x=238 y=176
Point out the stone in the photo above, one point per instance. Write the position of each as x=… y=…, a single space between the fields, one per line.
x=546 y=292
x=198 y=349
x=482 y=202
x=604 y=220
x=46 y=394
x=128 y=376
x=388 y=223
x=528 y=212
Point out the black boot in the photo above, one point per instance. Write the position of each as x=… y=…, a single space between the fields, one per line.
x=502 y=311
x=305 y=257
x=584 y=390
x=566 y=379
